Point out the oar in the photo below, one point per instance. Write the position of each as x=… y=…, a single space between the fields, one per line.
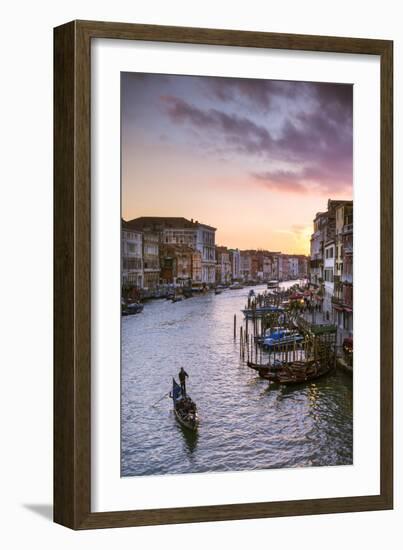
x=165 y=394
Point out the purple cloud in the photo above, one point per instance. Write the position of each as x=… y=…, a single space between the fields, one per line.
x=316 y=135
x=259 y=93
x=311 y=178
x=236 y=130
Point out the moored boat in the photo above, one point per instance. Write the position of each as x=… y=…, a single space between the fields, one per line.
x=273 y=284
x=296 y=372
x=273 y=366
x=281 y=337
x=185 y=409
x=236 y=286
x=131 y=308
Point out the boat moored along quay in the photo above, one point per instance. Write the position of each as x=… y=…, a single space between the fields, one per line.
x=284 y=347
x=131 y=308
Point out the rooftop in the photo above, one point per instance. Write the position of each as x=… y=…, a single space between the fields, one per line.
x=158 y=223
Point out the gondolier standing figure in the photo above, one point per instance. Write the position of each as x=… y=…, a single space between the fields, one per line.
x=182 y=379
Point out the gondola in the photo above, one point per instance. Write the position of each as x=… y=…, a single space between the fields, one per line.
x=132 y=309
x=297 y=372
x=177 y=298
x=236 y=286
x=274 y=366
x=272 y=284
x=185 y=409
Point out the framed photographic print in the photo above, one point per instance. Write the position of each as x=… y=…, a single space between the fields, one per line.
x=223 y=275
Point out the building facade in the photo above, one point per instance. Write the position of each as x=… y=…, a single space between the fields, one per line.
x=246 y=266
x=198 y=236
x=132 y=257
x=176 y=261
x=328 y=277
x=302 y=267
x=235 y=259
x=223 y=265
x=151 y=259
x=343 y=293
x=293 y=267
x=317 y=248
x=332 y=264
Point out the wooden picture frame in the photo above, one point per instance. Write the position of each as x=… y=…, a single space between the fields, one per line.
x=72 y=271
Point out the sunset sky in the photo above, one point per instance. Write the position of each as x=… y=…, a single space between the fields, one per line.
x=254 y=158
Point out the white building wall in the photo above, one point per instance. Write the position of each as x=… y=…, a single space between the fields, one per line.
x=328 y=277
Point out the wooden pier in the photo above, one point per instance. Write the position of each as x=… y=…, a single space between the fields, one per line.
x=304 y=350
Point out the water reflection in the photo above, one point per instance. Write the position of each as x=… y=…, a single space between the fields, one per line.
x=246 y=423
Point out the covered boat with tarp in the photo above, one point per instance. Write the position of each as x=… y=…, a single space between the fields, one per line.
x=131 y=308
x=184 y=407
x=273 y=284
x=281 y=337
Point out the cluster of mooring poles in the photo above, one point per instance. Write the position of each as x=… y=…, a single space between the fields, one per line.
x=276 y=341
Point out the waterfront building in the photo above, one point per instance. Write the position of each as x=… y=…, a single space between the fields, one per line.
x=293 y=267
x=246 y=265
x=235 y=259
x=328 y=277
x=254 y=265
x=324 y=231
x=275 y=266
x=343 y=289
x=283 y=267
x=132 y=257
x=317 y=238
x=302 y=267
x=331 y=265
x=264 y=268
x=267 y=267
x=176 y=230
x=176 y=261
x=223 y=265
x=196 y=268
x=151 y=260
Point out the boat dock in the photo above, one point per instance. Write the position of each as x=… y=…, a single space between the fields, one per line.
x=281 y=344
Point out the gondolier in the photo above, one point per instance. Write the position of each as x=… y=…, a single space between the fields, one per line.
x=182 y=379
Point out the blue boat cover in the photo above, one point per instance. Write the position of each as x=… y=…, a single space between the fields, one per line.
x=176 y=390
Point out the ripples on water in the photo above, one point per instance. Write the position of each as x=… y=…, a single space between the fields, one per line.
x=246 y=423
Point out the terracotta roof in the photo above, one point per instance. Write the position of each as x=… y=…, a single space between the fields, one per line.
x=159 y=223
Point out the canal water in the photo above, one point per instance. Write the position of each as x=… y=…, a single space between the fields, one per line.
x=245 y=423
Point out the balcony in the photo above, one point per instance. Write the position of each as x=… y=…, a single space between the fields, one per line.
x=347 y=229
